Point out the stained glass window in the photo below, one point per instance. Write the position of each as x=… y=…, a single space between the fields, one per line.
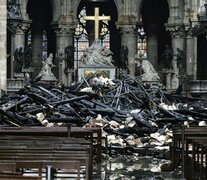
x=105 y=34
x=44 y=45
x=29 y=38
x=81 y=42
x=141 y=43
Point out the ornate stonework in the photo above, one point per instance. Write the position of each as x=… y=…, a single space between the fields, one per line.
x=62 y=29
x=97 y=56
x=127 y=29
x=176 y=30
x=23 y=28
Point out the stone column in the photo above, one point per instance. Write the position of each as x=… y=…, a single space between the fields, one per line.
x=177 y=32
x=19 y=36
x=36 y=49
x=129 y=39
x=3 y=59
x=19 y=39
x=168 y=80
x=190 y=54
x=152 y=44
x=64 y=37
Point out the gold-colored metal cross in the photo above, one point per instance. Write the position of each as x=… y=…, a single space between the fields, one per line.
x=97 y=18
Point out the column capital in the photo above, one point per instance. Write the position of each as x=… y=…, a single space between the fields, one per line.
x=126 y=28
x=189 y=32
x=64 y=29
x=25 y=25
x=176 y=30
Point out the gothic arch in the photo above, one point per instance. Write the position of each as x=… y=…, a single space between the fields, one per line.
x=55 y=9
x=77 y=3
x=139 y=7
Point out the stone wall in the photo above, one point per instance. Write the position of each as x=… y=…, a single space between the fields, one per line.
x=3 y=60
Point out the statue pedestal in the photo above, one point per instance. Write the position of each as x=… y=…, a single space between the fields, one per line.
x=85 y=71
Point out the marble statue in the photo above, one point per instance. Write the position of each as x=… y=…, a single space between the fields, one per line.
x=28 y=56
x=46 y=73
x=18 y=60
x=69 y=55
x=97 y=56
x=168 y=57
x=149 y=73
x=124 y=57
x=180 y=58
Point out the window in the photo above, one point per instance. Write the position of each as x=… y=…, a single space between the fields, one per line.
x=105 y=34
x=141 y=43
x=81 y=42
x=44 y=43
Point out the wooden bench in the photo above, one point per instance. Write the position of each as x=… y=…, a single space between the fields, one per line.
x=196 y=158
x=29 y=151
x=8 y=172
x=177 y=147
x=93 y=134
x=16 y=176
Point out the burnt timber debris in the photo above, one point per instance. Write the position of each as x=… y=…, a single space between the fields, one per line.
x=132 y=113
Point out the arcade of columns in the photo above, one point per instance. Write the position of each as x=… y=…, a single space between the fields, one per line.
x=64 y=22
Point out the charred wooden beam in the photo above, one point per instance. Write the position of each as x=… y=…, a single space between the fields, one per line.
x=70 y=100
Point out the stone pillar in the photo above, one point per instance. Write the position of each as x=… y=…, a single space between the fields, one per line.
x=177 y=32
x=168 y=80
x=195 y=59
x=19 y=39
x=19 y=36
x=152 y=44
x=129 y=39
x=64 y=37
x=190 y=54
x=3 y=59
x=36 y=49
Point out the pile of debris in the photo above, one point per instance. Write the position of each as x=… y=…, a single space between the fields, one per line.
x=132 y=114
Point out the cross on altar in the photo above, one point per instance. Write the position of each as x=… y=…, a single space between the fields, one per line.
x=97 y=18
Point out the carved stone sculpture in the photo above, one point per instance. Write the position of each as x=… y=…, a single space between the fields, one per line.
x=18 y=60
x=28 y=56
x=46 y=73
x=149 y=73
x=124 y=57
x=69 y=55
x=167 y=57
x=97 y=56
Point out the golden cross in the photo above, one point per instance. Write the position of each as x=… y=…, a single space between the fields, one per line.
x=97 y=18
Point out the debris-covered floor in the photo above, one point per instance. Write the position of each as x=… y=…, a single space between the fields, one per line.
x=135 y=167
x=134 y=116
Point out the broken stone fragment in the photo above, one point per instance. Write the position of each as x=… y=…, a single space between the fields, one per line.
x=40 y=117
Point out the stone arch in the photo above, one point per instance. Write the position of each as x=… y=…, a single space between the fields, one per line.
x=153 y=15
x=139 y=5
x=109 y=8
x=42 y=15
x=56 y=9
x=77 y=3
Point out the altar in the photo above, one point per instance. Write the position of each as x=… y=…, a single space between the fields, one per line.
x=87 y=71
